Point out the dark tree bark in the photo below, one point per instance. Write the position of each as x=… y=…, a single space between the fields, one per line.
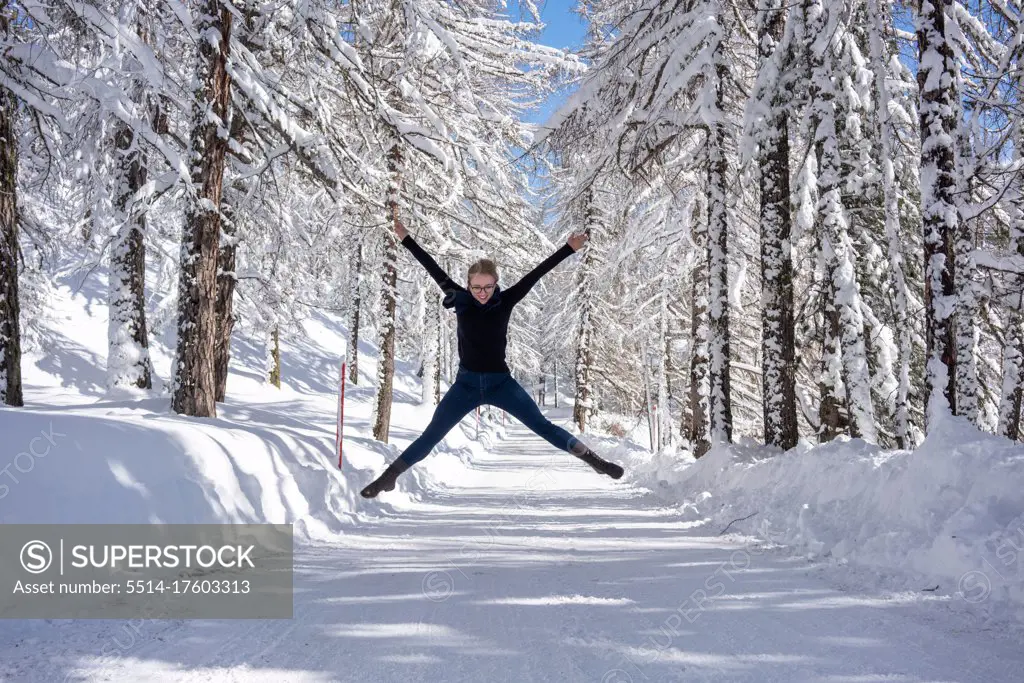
x=583 y=405
x=275 y=357
x=355 y=303
x=939 y=109
x=1014 y=376
x=194 y=377
x=831 y=418
x=226 y=282
x=697 y=429
x=128 y=359
x=719 y=342
x=554 y=382
x=227 y=251
x=10 y=330
x=128 y=355
x=389 y=278
x=778 y=339
x=1013 y=337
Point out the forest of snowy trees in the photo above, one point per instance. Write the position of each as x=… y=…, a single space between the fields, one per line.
x=806 y=219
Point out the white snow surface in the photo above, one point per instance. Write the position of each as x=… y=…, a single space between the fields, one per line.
x=500 y=558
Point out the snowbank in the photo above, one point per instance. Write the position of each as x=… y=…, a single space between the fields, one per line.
x=78 y=453
x=133 y=461
x=949 y=514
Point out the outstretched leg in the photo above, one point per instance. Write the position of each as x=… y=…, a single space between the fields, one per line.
x=460 y=399
x=456 y=403
x=511 y=396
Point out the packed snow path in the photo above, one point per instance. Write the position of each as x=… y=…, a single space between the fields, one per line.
x=535 y=568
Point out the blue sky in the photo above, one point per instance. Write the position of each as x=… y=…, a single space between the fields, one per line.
x=563 y=28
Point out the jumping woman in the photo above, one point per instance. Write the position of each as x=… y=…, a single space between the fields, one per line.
x=483 y=377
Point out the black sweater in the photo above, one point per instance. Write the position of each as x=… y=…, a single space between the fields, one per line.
x=483 y=328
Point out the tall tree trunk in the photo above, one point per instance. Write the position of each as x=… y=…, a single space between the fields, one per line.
x=719 y=344
x=881 y=28
x=10 y=330
x=967 y=306
x=437 y=330
x=227 y=279
x=1013 y=343
x=194 y=378
x=431 y=349
x=583 y=407
x=778 y=339
x=842 y=287
x=355 y=279
x=664 y=413
x=720 y=403
x=1013 y=377
x=554 y=382
x=128 y=361
x=697 y=430
x=939 y=110
x=275 y=357
x=386 y=319
x=831 y=417
x=226 y=282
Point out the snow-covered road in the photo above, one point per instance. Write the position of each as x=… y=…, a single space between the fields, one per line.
x=534 y=568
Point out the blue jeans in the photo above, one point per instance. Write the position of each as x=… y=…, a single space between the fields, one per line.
x=472 y=389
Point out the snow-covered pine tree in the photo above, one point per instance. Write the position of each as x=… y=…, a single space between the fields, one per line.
x=939 y=112
x=386 y=306
x=697 y=431
x=864 y=201
x=770 y=103
x=664 y=416
x=128 y=362
x=239 y=188
x=1013 y=340
x=661 y=77
x=965 y=318
x=31 y=79
x=891 y=116
x=234 y=210
x=431 y=347
x=583 y=404
x=986 y=45
x=826 y=27
x=715 y=73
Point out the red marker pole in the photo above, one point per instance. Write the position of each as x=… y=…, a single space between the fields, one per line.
x=340 y=426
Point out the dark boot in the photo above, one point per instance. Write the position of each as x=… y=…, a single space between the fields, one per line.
x=386 y=481
x=600 y=465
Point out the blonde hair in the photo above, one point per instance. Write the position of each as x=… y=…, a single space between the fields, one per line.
x=484 y=266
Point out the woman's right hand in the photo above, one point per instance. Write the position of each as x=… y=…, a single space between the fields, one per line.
x=400 y=230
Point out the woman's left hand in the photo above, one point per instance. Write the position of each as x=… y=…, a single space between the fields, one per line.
x=578 y=240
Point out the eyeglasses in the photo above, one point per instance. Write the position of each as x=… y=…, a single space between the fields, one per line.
x=485 y=288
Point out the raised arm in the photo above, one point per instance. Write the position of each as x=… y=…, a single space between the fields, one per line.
x=436 y=272
x=520 y=289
